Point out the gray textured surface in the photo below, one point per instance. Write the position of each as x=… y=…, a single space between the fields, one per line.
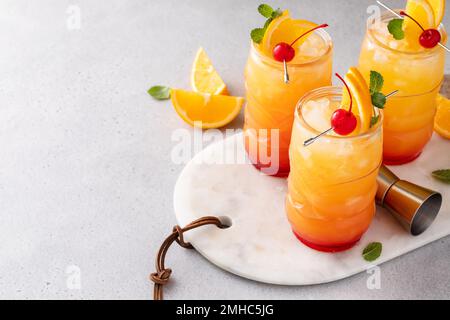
x=85 y=172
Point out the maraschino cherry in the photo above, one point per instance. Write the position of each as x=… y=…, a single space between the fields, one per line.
x=283 y=52
x=286 y=52
x=343 y=121
x=429 y=38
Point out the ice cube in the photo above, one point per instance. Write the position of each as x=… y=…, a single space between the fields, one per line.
x=317 y=113
x=380 y=57
x=314 y=46
x=394 y=44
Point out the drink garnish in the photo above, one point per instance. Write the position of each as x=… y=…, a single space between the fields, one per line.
x=376 y=84
x=377 y=97
x=374 y=120
x=429 y=37
x=372 y=251
x=443 y=175
x=285 y=52
x=442 y=117
x=159 y=92
x=395 y=27
x=268 y=12
x=344 y=122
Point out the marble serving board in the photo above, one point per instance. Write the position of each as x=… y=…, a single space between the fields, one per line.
x=259 y=245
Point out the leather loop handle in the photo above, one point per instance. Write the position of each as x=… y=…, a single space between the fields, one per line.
x=162 y=274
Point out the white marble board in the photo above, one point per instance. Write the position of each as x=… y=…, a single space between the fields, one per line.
x=260 y=245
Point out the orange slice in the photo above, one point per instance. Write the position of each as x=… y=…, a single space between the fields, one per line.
x=204 y=78
x=285 y=29
x=362 y=102
x=205 y=110
x=438 y=9
x=272 y=32
x=442 y=118
x=423 y=12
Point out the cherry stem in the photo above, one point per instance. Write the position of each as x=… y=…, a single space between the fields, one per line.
x=348 y=90
x=304 y=34
x=403 y=13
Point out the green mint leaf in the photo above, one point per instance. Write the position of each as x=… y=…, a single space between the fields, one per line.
x=267 y=23
x=374 y=120
x=276 y=13
x=257 y=34
x=265 y=10
x=372 y=251
x=159 y=92
x=378 y=100
x=395 y=27
x=376 y=82
x=443 y=175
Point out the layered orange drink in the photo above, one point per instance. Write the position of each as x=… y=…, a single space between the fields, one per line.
x=332 y=182
x=271 y=101
x=402 y=48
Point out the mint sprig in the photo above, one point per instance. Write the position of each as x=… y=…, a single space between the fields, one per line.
x=443 y=175
x=372 y=251
x=270 y=14
x=374 y=120
x=395 y=27
x=276 y=13
x=376 y=84
x=159 y=92
x=257 y=34
x=377 y=97
x=378 y=100
x=265 y=10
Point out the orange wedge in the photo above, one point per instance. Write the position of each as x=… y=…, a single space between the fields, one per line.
x=442 y=118
x=204 y=78
x=423 y=12
x=285 y=29
x=272 y=32
x=362 y=102
x=204 y=110
x=438 y=9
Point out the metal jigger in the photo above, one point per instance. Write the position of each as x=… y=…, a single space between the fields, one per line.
x=415 y=207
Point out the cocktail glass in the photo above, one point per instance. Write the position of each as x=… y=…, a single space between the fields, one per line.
x=269 y=112
x=417 y=74
x=332 y=182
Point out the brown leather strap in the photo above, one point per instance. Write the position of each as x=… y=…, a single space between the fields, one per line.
x=162 y=274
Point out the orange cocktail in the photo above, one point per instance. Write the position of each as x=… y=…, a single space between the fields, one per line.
x=269 y=112
x=332 y=182
x=415 y=71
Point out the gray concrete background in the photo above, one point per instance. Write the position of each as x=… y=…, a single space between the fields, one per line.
x=86 y=178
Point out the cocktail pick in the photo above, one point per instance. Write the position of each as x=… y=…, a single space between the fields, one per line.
x=286 y=74
x=402 y=17
x=311 y=140
x=415 y=207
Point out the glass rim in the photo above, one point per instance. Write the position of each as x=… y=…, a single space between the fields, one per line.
x=422 y=54
x=333 y=91
x=321 y=32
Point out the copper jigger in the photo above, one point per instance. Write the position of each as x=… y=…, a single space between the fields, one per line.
x=415 y=207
